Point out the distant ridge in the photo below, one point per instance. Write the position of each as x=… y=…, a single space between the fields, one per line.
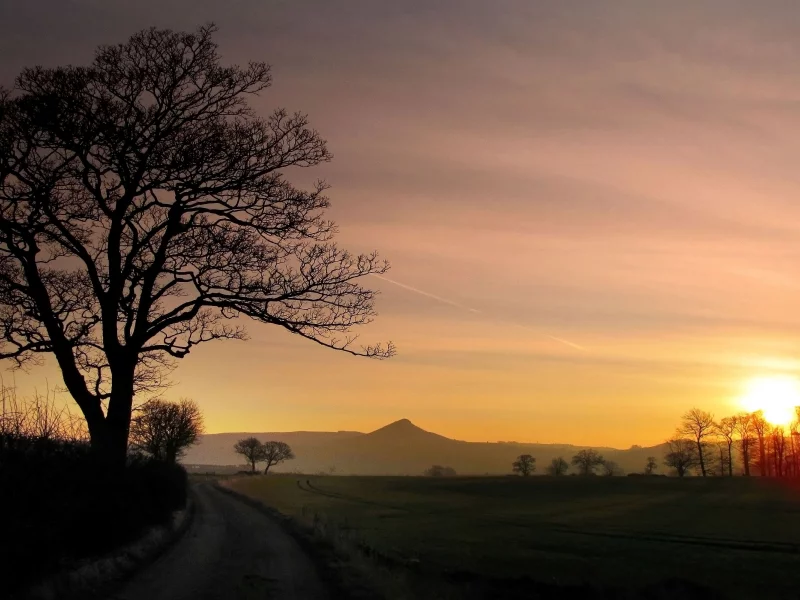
x=401 y=448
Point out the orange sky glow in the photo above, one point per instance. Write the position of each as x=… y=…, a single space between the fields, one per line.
x=592 y=210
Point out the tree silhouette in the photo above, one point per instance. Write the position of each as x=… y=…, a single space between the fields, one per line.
x=144 y=208
x=166 y=429
x=651 y=465
x=275 y=453
x=726 y=428
x=251 y=449
x=557 y=467
x=524 y=465
x=761 y=428
x=744 y=427
x=681 y=455
x=587 y=461
x=611 y=468
x=698 y=424
x=440 y=471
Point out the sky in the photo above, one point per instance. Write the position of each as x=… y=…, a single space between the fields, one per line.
x=592 y=210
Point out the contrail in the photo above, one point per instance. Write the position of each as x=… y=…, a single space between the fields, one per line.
x=475 y=310
x=428 y=294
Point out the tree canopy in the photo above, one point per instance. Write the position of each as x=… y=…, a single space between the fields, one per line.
x=144 y=208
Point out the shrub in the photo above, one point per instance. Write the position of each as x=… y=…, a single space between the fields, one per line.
x=59 y=505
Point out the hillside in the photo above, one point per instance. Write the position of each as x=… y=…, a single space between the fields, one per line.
x=401 y=448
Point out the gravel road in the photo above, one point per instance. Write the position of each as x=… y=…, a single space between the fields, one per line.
x=231 y=551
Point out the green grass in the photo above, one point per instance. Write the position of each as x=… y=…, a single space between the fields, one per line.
x=738 y=536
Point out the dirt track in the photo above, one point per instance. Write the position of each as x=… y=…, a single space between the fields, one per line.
x=230 y=551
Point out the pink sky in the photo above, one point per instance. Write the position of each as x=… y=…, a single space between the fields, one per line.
x=620 y=176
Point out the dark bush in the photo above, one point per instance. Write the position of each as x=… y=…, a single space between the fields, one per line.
x=60 y=505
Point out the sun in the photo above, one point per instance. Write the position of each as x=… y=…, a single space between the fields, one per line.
x=777 y=396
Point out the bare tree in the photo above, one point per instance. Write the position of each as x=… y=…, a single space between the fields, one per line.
x=744 y=427
x=651 y=465
x=276 y=453
x=681 y=455
x=144 y=208
x=557 y=467
x=761 y=428
x=440 y=471
x=698 y=424
x=524 y=465
x=778 y=443
x=727 y=429
x=611 y=468
x=587 y=461
x=166 y=429
x=251 y=449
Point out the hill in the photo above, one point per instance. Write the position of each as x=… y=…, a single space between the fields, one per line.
x=402 y=448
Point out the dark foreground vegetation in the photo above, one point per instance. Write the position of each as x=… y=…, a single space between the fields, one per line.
x=550 y=537
x=60 y=504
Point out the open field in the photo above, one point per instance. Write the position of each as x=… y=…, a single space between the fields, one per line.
x=739 y=537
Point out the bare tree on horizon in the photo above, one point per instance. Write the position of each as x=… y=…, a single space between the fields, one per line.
x=761 y=428
x=251 y=449
x=274 y=453
x=744 y=427
x=557 y=467
x=145 y=208
x=698 y=424
x=727 y=428
x=681 y=455
x=524 y=465
x=587 y=460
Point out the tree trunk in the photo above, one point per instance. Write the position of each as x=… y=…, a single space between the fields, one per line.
x=730 y=459
x=252 y=465
x=700 y=455
x=763 y=466
x=269 y=464
x=110 y=441
x=746 y=458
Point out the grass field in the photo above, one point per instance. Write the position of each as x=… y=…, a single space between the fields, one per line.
x=740 y=537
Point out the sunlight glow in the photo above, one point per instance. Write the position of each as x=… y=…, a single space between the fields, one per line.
x=776 y=396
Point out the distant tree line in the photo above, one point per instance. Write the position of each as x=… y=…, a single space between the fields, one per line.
x=254 y=451
x=745 y=444
x=587 y=462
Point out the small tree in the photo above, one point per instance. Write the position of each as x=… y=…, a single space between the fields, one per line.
x=557 y=467
x=698 y=425
x=681 y=455
x=611 y=468
x=275 y=453
x=524 y=465
x=440 y=471
x=166 y=429
x=587 y=460
x=251 y=449
x=651 y=465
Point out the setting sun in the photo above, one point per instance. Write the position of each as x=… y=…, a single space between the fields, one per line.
x=776 y=396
